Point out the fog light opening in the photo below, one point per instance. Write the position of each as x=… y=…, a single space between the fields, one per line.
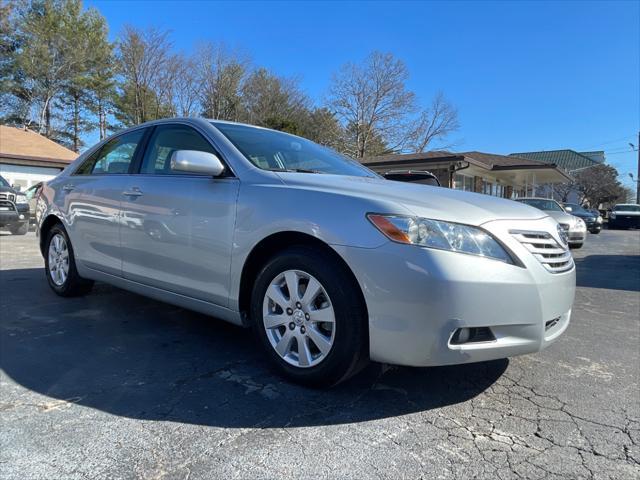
x=472 y=335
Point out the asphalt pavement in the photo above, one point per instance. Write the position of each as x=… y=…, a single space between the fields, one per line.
x=114 y=385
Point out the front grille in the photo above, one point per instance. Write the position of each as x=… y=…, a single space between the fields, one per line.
x=6 y=201
x=553 y=256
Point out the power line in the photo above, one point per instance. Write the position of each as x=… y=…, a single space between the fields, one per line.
x=609 y=142
x=620 y=153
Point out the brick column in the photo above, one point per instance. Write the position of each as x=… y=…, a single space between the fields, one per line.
x=477 y=184
x=508 y=191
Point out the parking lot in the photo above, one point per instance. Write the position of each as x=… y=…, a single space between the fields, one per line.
x=114 y=385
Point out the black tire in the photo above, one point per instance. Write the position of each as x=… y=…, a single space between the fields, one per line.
x=575 y=246
x=349 y=352
x=595 y=232
x=21 y=229
x=74 y=285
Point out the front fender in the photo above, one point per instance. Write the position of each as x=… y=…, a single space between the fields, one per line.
x=333 y=218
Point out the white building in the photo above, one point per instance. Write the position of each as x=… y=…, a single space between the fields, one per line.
x=27 y=158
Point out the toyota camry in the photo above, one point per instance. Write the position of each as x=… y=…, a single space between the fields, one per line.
x=329 y=264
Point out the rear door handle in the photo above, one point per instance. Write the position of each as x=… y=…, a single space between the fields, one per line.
x=134 y=192
x=68 y=187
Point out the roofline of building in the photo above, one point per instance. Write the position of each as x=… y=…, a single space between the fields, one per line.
x=469 y=159
x=34 y=161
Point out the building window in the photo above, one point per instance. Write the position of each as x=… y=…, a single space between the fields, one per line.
x=463 y=182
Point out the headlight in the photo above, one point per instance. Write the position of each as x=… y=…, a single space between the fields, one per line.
x=21 y=199
x=612 y=215
x=580 y=225
x=599 y=220
x=454 y=237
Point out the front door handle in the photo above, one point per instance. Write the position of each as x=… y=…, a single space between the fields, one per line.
x=134 y=192
x=68 y=187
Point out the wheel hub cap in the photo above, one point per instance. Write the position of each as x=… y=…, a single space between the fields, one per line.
x=298 y=318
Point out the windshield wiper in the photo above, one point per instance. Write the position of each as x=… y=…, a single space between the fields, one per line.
x=295 y=170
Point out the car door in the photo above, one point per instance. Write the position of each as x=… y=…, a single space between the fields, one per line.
x=177 y=228
x=93 y=196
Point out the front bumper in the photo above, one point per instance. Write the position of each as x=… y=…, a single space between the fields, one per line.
x=626 y=221
x=417 y=298
x=12 y=217
x=12 y=213
x=576 y=236
x=592 y=224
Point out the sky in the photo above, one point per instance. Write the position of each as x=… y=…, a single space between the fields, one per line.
x=525 y=76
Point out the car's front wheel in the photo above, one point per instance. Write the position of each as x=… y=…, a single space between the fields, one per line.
x=308 y=315
x=60 y=265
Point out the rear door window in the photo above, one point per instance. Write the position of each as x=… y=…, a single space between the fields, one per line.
x=114 y=157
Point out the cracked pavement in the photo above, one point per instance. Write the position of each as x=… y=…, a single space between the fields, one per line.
x=114 y=385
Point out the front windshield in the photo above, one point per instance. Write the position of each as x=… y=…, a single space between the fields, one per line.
x=627 y=208
x=4 y=183
x=542 y=204
x=574 y=208
x=277 y=151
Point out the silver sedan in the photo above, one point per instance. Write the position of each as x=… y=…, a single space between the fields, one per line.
x=574 y=227
x=329 y=264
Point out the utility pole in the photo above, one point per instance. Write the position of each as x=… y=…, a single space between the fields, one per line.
x=638 y=173
x=637 y=178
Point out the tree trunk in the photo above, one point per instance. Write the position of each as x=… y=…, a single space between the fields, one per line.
x=102 y=120
x=47 y=120
x=76 y=122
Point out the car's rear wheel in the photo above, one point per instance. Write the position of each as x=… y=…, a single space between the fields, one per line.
x=309 y=317
x=60 y=265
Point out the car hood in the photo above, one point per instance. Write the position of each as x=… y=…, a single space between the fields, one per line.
x=626 y=214
x=561 y=217
x=584 y=214
x=422 y=200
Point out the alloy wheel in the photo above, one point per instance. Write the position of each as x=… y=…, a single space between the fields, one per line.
x=58 y=259
x=298 y=318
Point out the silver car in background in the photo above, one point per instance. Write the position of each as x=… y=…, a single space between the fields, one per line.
x=328 y=263
x=575 y=227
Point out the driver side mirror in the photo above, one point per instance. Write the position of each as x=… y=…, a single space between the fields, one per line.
x=194 y=161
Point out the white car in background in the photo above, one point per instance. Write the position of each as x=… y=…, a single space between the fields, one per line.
x=624 y=215
x=574 y=227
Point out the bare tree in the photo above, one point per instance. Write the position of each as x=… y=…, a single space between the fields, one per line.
x=600 y=185
x=371 y=99
x=378 y=112
x=435 y=123
x=562 y=191
x=185 y=86
x=144 y=59
x=221 y=73
x=275 y=102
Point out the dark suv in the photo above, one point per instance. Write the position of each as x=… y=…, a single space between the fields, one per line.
x=591 y=219
x=14 y=209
